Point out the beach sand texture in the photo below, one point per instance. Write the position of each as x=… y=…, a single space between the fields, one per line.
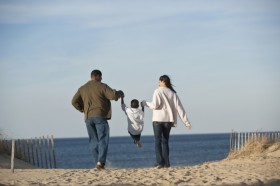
x=261 y=168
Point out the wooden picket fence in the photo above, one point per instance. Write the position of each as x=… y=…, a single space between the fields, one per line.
x=39 y=152
x=239 y=139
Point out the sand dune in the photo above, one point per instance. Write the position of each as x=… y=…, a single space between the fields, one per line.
x=254 y=169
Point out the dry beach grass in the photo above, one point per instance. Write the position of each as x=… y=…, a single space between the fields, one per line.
x=255 y=147
x=256 y=164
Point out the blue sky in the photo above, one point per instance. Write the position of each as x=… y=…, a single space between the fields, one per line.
x=222 y=56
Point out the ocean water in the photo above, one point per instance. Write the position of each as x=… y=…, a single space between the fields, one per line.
x=191 y=149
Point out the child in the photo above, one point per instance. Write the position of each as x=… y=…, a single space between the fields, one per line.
x=135 y=119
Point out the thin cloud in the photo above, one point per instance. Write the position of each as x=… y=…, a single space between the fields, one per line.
x=96 y=14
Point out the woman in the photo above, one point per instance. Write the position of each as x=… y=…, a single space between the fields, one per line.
x=165 y=105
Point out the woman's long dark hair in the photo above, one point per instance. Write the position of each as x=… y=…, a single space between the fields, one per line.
x=167 y=82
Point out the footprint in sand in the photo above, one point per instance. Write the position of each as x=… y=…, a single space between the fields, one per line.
x=218 y=179
x=204 y=181
x=188 y=173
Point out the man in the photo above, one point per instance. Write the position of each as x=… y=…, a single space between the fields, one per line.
x=93 y=99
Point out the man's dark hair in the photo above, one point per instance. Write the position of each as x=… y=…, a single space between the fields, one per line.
x=95 y=73
x=134 y=103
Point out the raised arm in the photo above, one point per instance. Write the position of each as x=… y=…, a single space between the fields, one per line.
x=122 y=103
x=155 y=103
x=143 y=106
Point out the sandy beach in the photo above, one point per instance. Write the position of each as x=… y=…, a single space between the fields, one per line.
x=261 y=168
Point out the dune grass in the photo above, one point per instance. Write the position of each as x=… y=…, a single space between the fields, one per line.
x=255 y=147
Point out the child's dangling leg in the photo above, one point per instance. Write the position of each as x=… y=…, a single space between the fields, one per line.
x=136 y=139
x=138 y=144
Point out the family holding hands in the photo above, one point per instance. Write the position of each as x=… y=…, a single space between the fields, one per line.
x=94 y=100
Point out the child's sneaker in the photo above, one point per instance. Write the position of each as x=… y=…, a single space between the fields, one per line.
x=138 y=144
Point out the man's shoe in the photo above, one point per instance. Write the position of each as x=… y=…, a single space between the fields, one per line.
x=100 y=166
x=159 y=166
x=166 y=166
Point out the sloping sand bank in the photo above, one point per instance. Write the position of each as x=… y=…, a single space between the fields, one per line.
x=256 y=169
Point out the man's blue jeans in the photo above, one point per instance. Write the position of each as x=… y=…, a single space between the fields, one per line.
x=98 y=132
x=161 y=134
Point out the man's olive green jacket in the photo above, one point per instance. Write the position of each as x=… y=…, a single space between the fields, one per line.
x=93 y=99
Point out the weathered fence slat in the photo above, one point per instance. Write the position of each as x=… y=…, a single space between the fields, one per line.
x=13 y=156
x=53 y=150
x=28 y=151
x=36 y=152
x=49 y=152
x=32 y=152
x=230 y=141
x=41 y=153
x=45 y=152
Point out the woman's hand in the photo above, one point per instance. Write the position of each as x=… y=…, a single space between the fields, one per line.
x=189 y=126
